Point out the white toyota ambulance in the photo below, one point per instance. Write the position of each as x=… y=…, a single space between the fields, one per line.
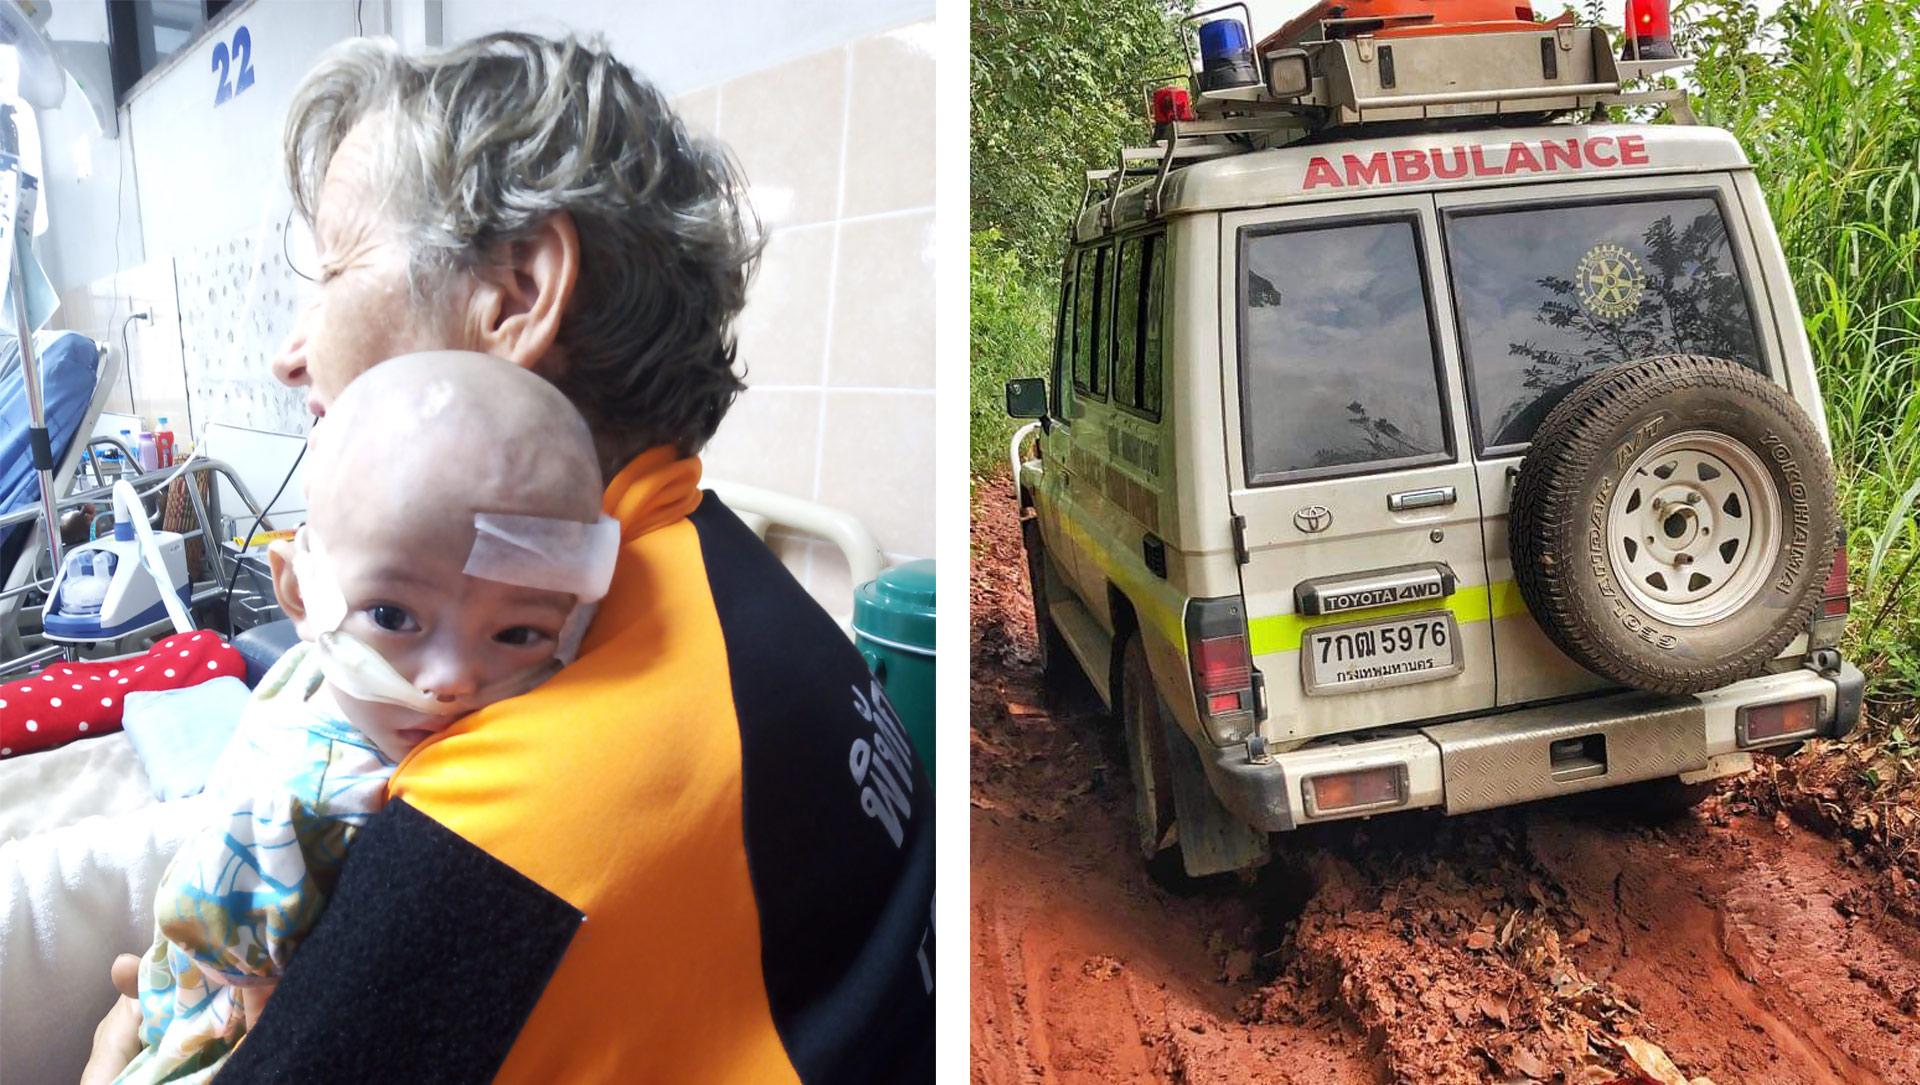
x=1419 y=437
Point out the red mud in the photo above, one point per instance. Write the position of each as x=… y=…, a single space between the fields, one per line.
x=1547 y=943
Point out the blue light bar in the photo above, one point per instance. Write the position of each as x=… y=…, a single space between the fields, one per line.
x=1226 y=60
x=1221 y=38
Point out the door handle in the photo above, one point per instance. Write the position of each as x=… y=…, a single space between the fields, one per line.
x=1409 y=500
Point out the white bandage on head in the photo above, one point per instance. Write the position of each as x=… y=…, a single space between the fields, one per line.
x=545 y=553
x=529 y=551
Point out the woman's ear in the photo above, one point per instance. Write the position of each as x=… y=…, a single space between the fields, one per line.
x=286 y=585
x=515 y=309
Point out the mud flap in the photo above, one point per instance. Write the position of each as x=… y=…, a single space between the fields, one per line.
x=1212 y=839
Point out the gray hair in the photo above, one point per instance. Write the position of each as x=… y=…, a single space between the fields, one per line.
x=481 y=144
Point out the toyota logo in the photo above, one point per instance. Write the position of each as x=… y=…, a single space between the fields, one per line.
x=1313 y=519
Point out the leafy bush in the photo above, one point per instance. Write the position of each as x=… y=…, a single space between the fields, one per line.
x=1055 y=91
x=1825 y=96
x=1012 y=323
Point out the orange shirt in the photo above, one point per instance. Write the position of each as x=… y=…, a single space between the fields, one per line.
x=703 y=852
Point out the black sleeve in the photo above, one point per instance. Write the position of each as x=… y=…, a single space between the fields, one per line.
x=423 y=968
x=839 y=824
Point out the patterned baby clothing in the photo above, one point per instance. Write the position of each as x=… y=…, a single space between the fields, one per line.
x=293 y=788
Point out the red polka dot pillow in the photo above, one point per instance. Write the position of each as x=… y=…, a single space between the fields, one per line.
x=73 y=700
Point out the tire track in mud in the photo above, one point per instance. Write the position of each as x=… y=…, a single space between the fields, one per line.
x=1529 y=944
x=1755 y=925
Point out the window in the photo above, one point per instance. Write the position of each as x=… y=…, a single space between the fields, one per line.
x=1063 y=341
x=1549 y=295
x=1126 y=325
x=1155 y=288
x=1136 y=325
x=1092 y=300
x=1084 y=276
x=1338 y=371
x=142 y=33
x=1102 y=318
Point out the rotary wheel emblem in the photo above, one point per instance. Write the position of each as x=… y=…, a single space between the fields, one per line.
x=1610 y=281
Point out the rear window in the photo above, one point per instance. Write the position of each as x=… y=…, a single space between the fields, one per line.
x=1549 y=295
x=1337 y=363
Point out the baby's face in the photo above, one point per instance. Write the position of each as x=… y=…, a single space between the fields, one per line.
x=447 y=633
x=393 y=491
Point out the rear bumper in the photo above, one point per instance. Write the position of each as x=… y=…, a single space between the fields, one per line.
x=1499 y=760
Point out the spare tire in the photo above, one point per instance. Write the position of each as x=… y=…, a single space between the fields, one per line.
x=1672 y=522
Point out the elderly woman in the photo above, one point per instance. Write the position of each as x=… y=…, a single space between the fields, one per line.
x=670 y=862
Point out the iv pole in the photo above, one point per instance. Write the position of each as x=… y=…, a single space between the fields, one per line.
x=37 y=437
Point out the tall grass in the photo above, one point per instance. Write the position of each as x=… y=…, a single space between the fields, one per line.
x=1825 y=96
x=1011 y=320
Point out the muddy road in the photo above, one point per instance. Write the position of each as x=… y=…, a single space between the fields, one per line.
x=1549 y=943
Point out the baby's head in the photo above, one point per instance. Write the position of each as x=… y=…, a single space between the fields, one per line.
x=453 y=528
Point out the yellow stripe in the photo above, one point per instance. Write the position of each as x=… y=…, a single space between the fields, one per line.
x=1474 y=603
x=1147 y=606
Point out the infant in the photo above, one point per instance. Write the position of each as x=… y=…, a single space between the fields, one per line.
x=453 y=552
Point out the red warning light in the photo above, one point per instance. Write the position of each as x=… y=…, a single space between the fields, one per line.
x=1172 y=104
x=1649 y=31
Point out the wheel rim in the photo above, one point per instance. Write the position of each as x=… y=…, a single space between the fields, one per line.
x=1148 y=802
x=1693 y=528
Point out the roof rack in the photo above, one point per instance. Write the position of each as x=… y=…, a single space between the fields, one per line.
x=1340 y=73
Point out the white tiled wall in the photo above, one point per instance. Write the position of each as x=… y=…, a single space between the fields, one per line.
x=837 y=337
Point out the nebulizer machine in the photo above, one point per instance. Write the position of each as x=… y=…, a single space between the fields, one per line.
x=111 y=587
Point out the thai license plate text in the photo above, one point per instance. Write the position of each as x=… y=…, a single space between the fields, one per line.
x=1372 y=655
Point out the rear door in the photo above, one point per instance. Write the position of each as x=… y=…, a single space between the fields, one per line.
x=1356 y=505
x=1552 y=283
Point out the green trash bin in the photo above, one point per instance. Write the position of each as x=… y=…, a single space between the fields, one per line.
x=893 y=628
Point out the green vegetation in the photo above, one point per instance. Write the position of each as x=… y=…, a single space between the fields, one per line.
x=1825 y=96
x=1056 y=90
x=1012 y=337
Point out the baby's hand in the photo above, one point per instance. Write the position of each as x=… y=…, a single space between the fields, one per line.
x=254 y=999
x=116 y=1040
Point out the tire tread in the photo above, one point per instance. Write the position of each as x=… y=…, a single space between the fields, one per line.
x=1555 y=473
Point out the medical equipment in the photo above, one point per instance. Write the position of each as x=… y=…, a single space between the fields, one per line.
x=113 y=586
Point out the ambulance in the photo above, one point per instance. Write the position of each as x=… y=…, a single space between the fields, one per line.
x=1423 y=432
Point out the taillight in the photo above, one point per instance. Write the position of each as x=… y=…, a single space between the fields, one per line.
x=1649 y=31
x=1222 y=667
x=1836 y=598
x=1362 y=789
x=1221 y=663
x=1762 y=724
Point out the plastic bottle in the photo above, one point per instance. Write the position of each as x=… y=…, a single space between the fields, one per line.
x=163 y=440
x=149 y=452
x=121 y=463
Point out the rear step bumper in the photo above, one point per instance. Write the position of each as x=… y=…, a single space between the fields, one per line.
x=1535 y=753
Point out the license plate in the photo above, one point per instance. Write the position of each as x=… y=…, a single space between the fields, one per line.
x=1374 y=655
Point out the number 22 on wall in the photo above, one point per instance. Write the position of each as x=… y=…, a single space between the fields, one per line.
x=242 y=55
